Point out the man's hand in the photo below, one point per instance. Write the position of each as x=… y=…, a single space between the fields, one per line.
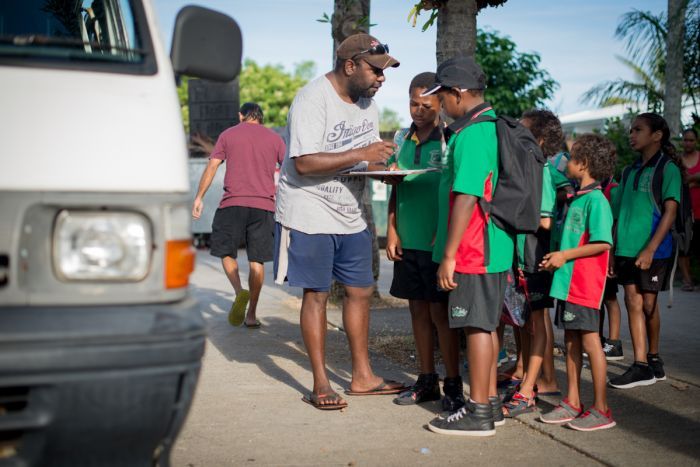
x=644 y=259
x=378 y=152
x=552 y=261
x=393 y=246
x=445 y=275
x=393 y=179
x=197 y=208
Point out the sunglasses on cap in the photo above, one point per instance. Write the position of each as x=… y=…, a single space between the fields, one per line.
x=379 y=49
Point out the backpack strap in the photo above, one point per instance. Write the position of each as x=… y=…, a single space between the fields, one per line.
x=657 y=182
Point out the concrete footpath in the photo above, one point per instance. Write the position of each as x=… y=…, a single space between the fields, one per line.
x=248 y=409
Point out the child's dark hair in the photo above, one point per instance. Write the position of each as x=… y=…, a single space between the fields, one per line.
x=690 y=130
x=545 y=126
x=251 y=111
x=424 y=80
x=597 y=153
x=656 y=122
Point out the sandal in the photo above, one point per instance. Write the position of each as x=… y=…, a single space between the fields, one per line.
x=330 y=401
x=519 y=404
x=687 y=288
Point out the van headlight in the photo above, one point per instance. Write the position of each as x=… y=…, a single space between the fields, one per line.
x=101 y=245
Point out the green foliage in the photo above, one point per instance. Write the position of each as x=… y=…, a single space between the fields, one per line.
x=273 y=88
x=644 y=34
x=617 y=131
x=515 y=81
x=184 y=105
x=434 y=5
x=269 y=86
x=389 y=120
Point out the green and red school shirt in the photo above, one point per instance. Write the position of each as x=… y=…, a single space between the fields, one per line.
x=588 y=220
x=417 y=195
x=472 y=169
x=636 y=212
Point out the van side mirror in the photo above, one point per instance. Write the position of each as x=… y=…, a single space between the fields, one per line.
x=206 y=44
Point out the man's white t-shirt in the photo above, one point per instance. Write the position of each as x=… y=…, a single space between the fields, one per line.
x=320 y=121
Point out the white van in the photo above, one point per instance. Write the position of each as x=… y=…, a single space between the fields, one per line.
x=100 y=344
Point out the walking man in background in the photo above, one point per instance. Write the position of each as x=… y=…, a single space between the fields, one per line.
x=252 y=153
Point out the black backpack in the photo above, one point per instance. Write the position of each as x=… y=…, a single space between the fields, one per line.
x=515 y=206
x=682 y=228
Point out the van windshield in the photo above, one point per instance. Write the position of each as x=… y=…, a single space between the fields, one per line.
x=82 y=30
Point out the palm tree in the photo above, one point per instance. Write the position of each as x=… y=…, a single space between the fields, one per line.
x=646 y=35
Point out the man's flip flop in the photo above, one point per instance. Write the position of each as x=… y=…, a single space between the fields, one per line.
x=252 y=326
x=236 y=315
x=315 y=400
x=386 y=387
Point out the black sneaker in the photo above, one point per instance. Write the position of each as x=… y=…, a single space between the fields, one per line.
x=497 y=410
x=471 y=420
x=638 y=374
x=427 y=388
x=613 y=350
x=657 y=366
x=454 y=394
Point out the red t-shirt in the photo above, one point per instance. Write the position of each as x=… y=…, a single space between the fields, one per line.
x=251 y=153
x=695 y=191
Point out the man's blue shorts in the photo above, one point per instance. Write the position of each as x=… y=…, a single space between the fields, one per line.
x=313 y=260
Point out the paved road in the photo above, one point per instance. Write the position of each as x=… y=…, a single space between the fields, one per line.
x=247 y=409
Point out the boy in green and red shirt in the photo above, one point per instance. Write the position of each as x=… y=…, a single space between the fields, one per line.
x=580 y=269
x=474 y=254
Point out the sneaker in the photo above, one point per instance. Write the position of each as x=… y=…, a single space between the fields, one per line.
x=454 y=394
x=613 y=350
x=497 y=411
x=562 y=413
x=471 y=420
x=657 y=366
x=592 y=420
x=638 y=374
x=426 y=389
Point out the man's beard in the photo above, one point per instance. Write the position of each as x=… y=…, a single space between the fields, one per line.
x=355 y=91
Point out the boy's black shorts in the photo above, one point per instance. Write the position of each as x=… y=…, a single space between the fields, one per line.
x=477 y=302
x=571 y=316
x=611 y=287
x=654 y=279
x=234 y=224
x=538 y=287
x=415 y=277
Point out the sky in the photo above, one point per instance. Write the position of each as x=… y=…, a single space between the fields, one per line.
x=574 y=38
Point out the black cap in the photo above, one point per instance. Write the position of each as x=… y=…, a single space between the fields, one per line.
x=459 y=72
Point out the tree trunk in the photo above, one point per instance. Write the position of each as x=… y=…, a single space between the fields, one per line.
x=349 y=17
x=456 y=29
x=673 y=92
x=352 y=17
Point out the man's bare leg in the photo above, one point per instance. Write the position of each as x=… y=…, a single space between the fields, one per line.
x=231 y=269
x=256 y=277
x=313 y=330
x=356 y=322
